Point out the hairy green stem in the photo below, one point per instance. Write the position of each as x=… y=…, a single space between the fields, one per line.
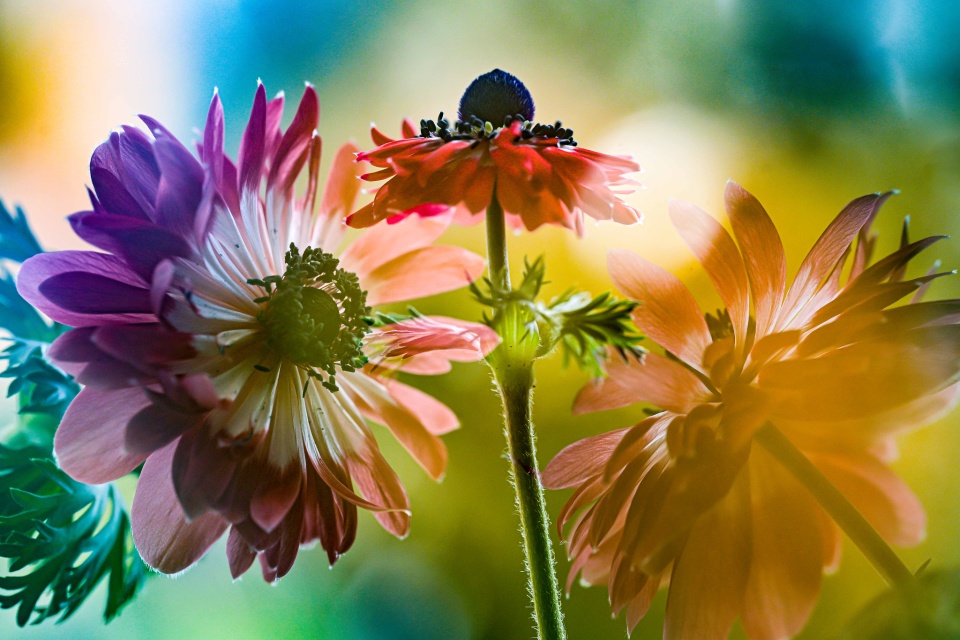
x=512 y=364
x=861 y=532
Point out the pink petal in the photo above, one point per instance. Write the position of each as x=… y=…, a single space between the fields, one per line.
x=377 y=404
x=668 y=314
x=718 y=254
x=164 y=538
x=381 y=244
x=379 y=484
x=655 y=379
x=581 y=460
x=339 y=194
x=420 y=273
x=89 y=444
x=436 y=417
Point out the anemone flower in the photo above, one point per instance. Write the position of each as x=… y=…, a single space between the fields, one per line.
x=694 y=495
x=495 y=152
x=222 y=341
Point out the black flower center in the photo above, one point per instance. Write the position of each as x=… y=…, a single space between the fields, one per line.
x=315 y=315
x=494 y=96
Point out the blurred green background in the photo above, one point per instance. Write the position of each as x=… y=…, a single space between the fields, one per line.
x=807 y=104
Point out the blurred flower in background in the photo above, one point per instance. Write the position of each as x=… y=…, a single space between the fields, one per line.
x=687 y=493
x=777 y=95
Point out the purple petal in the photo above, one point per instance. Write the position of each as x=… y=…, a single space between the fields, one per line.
x=295 y=144
x=105 y=173
x=274 y=497
x=274 y=115
x=213 y=139
x=39 y=269
x=89 y=442
x=89 y=293
x=155 y=426
x=164 y=538
x=139 y=171
x=239 y=553
x=181 y=186
x=141 y=244
x=252 y=146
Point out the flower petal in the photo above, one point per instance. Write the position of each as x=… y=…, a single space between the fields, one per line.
x=655 y=379
x=788 y=552
x=126 y=304
x=89 y=443
x=420 y=273
x=710 y=575
x=668 y=314
x=581 y=460
x=164 y=538
x=720 y=258
x=762 y=251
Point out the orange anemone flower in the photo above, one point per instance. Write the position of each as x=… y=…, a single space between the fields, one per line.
x=683 y=496
x=537 y=172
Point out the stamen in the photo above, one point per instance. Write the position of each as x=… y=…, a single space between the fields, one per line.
x=315 y=315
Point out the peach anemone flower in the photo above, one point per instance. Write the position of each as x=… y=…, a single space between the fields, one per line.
x=223 y=340
x=685 y=496
x=537 y=172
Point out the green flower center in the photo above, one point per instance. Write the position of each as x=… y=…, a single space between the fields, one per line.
x=315 y=315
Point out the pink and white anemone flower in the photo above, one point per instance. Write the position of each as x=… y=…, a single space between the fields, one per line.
x=223 y=339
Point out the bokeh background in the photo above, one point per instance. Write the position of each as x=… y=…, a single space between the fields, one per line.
x=807 y=104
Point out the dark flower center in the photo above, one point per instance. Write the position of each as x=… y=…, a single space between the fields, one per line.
x=315 y=315
x=493 y=97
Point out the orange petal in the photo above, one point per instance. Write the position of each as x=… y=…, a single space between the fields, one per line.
x=377 y=404
x=831 y=245
x=383 y=243
x=788 y=552
x=580 y=460
x=882 y=497
x=710 y=576
x=655 y=379
x=762 y=253
x=718 y=254
x=667 y=313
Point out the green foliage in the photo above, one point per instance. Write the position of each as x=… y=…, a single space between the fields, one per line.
x=927 y=608
x=60 y=537
x=590 y=327
x=586 y=328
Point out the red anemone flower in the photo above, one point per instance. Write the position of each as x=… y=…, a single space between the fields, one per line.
x=536 y=172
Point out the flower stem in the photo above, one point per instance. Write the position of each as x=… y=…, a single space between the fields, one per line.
x=861 y=532
x=512 y=364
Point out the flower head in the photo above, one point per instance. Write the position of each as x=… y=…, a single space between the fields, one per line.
x=536 y=171
x=683 y=496
x=227 y=342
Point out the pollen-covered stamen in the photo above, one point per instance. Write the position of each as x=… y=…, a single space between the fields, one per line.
x=315 y=315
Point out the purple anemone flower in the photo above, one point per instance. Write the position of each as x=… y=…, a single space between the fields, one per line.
x=225 y=341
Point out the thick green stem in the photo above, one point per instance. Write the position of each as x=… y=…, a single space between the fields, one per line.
x=861 y=532
x=512 y=364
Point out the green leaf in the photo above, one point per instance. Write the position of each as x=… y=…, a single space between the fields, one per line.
x=61 y=538
x=927 y=608
x=17 y=241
